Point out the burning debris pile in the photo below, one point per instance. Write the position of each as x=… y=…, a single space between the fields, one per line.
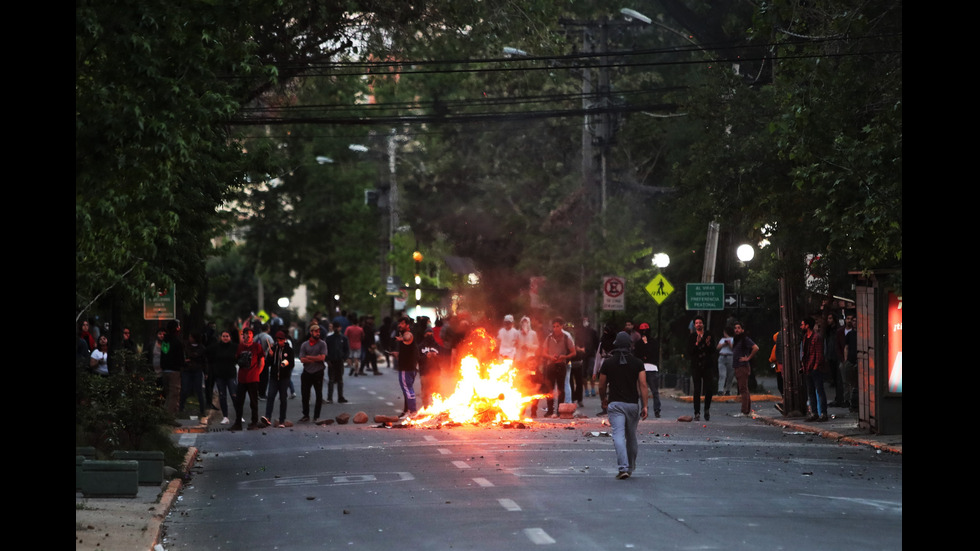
x=486 y=393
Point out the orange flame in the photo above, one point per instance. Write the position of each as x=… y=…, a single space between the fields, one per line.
x=487 y=391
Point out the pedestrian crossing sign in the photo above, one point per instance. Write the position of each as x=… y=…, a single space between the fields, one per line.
x=659 y=288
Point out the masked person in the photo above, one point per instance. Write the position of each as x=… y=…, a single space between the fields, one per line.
x=624 y=394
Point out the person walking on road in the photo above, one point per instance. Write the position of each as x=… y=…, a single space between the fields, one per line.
x=624 y=394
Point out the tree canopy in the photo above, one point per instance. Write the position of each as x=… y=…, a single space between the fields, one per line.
x=537 y=138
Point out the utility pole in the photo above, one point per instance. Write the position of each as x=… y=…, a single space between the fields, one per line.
x=598 y=126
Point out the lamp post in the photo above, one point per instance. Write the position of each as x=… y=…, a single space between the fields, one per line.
x=745 y=253
x=417 y=257
x=660 y=261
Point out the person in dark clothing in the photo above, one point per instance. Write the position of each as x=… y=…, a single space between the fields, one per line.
x=280 y=362
x=337 y=351
x=221 y=360
x=704 y=372
x=647 y=349
x=407 y=357
x=430 y=357
x=624 y=395
x=171 y=364
x=192 y=374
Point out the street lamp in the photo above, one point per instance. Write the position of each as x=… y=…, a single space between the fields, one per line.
x=417 y=257
x=745 y=252
x=661 y=260
x=633 y=14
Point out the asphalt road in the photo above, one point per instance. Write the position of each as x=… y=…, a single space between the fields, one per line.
x=732 y=483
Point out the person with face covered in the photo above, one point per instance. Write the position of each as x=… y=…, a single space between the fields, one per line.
x=624 y=394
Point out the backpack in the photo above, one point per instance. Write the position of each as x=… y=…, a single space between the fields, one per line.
x=245 y=360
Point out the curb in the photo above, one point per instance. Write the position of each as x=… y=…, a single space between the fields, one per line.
x=168 y=497
x=830 y=434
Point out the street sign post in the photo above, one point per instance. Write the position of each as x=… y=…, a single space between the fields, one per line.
x=613 y=293
x=659 y=288
x=160 y=305
x=705 y=296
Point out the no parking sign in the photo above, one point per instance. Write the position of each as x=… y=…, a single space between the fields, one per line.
x=613 y=293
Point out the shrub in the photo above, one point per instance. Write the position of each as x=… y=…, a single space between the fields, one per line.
x=122 y=412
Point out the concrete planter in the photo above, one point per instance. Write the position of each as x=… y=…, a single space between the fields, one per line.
x=110 y=478
x=150 y=464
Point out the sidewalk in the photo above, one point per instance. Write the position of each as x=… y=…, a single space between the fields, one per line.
x=842 y=425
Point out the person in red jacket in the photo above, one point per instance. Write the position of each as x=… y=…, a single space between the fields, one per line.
x=248 y=380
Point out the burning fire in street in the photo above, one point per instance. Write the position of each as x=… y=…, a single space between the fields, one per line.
x=484 y=394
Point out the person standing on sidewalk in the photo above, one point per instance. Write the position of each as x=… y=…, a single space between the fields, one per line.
x=172 y=361
x=703 y=371
x=624 y=394
x=313 y=354
x=812 y=366
x=743 y=350
x=221 y=358
x=849 y=368
x=192 y=375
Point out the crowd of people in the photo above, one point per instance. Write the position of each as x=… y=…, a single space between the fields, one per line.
x=254 y=360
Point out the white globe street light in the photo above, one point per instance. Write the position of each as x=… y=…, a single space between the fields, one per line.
x=283 y=302
x=661 y=260
x=745 y=252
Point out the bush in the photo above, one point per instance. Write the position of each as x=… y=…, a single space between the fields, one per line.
x=123 y=412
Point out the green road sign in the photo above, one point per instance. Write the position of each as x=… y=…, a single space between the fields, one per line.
x=659 y=288
x=705 y=296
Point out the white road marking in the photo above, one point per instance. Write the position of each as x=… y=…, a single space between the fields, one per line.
x=445 y=451
x=509 y=504
x=461 y=464
x=483 y=482
x=538 y=536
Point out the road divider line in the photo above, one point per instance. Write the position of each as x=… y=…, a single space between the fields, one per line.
x=538 y=536
x=483 y=482
x=509 y=504
x=461 y=464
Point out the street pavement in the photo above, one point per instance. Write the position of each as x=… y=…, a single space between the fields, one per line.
x=125 y=524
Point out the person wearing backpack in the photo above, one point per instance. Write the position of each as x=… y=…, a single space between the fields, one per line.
x=250 y=365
